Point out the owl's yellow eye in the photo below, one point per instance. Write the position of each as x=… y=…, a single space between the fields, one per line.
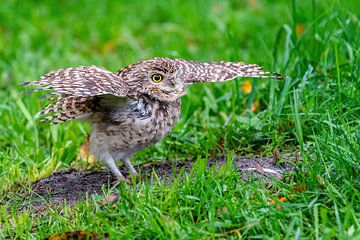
x=157 y=77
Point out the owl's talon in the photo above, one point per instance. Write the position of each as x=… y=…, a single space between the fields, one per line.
x=130 y=167
x=118 y=181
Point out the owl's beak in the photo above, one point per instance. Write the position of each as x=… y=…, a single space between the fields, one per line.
x=181 y=90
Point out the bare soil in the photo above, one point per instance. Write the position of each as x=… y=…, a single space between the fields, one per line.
x=70 y=186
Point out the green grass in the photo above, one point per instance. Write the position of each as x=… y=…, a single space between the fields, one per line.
x=313 y=114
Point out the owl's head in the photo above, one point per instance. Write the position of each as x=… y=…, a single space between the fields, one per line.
x=158 y=78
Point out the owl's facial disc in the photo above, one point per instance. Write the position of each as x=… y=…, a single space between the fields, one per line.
x=164 y=86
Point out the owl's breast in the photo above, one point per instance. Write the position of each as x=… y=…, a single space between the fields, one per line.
x=164 y=117
x=139 y=125
x=155 y=121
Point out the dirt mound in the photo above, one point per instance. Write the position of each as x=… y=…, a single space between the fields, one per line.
x=70 y=186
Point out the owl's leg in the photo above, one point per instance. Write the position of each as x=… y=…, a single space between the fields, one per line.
x=109 y=160
x=129 y=166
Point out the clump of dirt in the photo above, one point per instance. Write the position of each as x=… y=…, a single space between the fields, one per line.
x=71 y=186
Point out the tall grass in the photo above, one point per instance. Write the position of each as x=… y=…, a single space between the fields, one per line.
x=313 y=115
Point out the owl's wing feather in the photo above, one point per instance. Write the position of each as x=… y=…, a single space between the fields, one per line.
x=225 y=71
x=82 y=81
x=73 y=90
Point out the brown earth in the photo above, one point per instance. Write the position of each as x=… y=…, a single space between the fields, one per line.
x=73 y=186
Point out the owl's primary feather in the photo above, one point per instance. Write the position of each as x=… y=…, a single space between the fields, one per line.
x=82 y=81
x=134 y=107
x=74 y=88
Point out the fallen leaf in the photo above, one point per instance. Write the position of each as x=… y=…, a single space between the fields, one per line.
x=299 y=29
x=79 y=235
x=84 y=152
x=254 y=106
x=301 y=187
x=246 y=87
x=320 y=180
x=273 y=201
x=110 y=199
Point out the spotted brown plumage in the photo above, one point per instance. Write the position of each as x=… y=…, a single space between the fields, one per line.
x=136 y=106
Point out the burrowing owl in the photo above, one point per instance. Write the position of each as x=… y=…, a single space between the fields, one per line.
x=136 y=106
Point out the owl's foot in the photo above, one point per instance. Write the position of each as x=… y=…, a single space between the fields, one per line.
x=113 y=168
x=118 y=180
x=130 y=167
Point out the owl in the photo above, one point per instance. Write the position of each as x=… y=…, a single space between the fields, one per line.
x=134 y=107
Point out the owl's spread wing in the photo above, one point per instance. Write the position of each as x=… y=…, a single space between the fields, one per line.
x=82 y=81
x=73 y=90
x=224 y=71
